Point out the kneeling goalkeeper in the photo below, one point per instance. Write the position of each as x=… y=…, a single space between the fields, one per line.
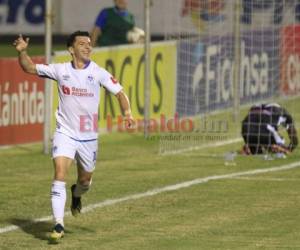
x=260 y=130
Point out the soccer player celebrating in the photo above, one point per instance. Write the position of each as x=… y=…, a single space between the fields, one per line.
x=76 y=133
x=260 y=130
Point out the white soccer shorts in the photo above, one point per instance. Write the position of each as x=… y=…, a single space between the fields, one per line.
x=84 y=152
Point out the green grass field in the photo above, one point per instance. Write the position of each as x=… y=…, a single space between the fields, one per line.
x=246 y=212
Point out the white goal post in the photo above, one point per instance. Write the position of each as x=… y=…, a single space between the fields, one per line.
x=48 y=84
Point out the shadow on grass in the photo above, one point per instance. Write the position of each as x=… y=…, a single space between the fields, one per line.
x=40 y=230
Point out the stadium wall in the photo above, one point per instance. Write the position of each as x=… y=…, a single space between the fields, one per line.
x=27 y=16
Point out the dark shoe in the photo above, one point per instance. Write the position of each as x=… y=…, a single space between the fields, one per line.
x=76 y=202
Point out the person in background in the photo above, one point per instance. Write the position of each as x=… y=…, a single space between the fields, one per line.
x=115 y=26
x=260 y=130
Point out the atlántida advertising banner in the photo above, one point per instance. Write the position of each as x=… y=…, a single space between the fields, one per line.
x=21 y=104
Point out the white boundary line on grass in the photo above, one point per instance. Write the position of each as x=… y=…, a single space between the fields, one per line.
x=244 y=178
x=161 y=190
x=210 y=145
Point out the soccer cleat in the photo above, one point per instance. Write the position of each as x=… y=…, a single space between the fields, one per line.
x=76 y=202
x=57 y=233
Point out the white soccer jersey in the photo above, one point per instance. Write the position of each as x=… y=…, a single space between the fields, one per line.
x=79 y=96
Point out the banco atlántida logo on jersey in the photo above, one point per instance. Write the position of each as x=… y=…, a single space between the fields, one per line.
x=81 y=92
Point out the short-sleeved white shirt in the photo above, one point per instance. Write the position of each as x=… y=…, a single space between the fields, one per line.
x=79 y=96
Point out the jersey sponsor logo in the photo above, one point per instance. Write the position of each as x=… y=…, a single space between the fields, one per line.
x=114 y=80
x=76 y=91
x=81 y=92
x=66 y=90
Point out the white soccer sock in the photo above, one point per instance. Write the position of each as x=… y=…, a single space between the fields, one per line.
x=81 y=189
x=58 y=200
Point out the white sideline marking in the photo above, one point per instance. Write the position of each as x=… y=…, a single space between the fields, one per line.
x=161 y=190
x=210 y=145
x=265 y=179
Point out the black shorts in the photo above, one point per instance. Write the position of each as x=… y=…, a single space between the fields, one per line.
x=258 y=138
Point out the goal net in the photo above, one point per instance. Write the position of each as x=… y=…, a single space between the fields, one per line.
x=231 y=54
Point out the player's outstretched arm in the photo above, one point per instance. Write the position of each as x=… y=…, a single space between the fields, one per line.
x=125 y=105
x=24 y=59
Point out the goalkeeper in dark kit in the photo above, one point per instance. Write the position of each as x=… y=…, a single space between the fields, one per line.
x=260 y=130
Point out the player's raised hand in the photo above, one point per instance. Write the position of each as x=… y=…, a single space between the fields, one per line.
x=21 y=44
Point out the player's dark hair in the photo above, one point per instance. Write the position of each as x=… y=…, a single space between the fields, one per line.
x=72 y=37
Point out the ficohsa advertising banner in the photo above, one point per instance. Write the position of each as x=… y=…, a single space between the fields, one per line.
x=206 y=80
